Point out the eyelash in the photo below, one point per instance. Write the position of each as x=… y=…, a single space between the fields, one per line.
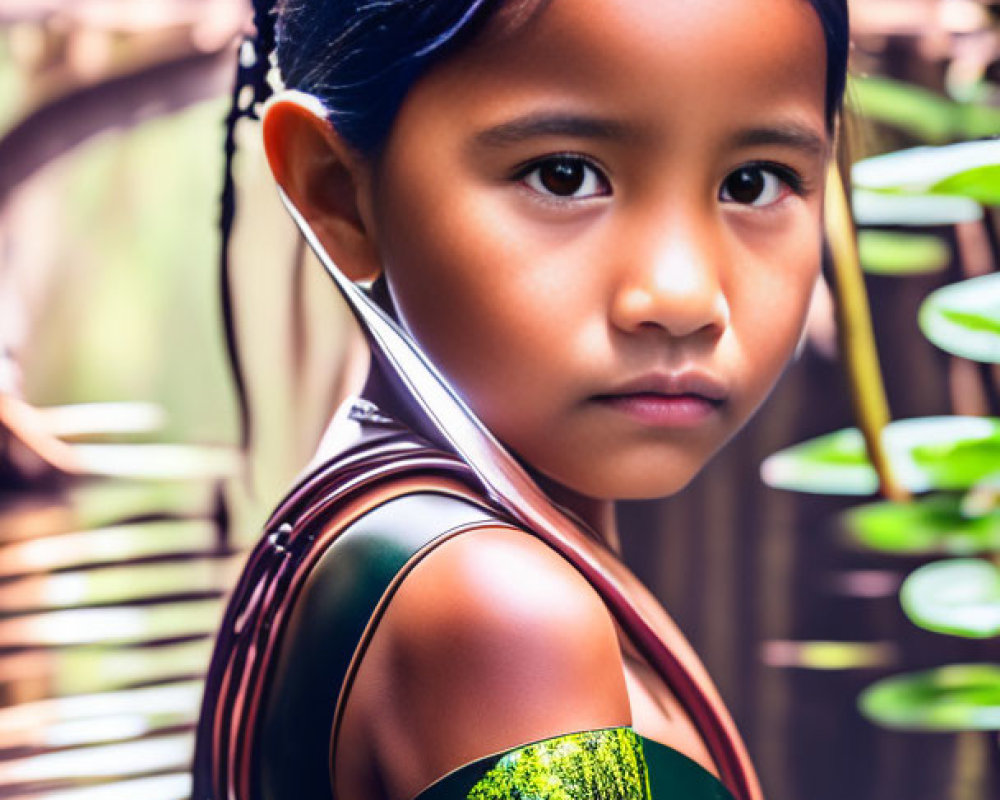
x=522 y=172
x=790 y=177
x=794 y=180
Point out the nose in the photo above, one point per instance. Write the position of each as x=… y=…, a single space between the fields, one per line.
x=672 y=279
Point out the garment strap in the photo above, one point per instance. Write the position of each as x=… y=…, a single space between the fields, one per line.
x=345 y=489
x=321 y=505
x=331 y=626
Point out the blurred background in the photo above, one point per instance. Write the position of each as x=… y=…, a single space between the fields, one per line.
x=853 y=635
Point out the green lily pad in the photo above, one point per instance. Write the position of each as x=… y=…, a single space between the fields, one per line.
x=926 y=453
x=960 y=597
x=981 y=184
x=967 y=169
x=886 y=253
x=960 y=464
x=832 y=464
x=924 y=114
x=934 y=524
x=959 y=697
x=964 y=318
x=876 y=208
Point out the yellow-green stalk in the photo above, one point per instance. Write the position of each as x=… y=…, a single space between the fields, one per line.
x=857 y=340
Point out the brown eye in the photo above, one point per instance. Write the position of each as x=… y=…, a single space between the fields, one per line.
x=565 y=177
x=752 y=186
x=562 y=177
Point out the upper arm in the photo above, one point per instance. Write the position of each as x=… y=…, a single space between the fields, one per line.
x=492 y=641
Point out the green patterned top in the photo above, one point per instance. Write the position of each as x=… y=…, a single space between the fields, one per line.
x=329 y=619
x=605 y=764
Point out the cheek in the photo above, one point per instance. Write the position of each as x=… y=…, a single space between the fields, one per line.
x=489 y=296
x=456 y=287
x=775 y=299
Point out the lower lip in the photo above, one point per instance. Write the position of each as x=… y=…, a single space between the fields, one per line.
x=669 y=411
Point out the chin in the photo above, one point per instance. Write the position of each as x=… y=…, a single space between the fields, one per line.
x=638 y=481
x=636 y=471
x=651 y=487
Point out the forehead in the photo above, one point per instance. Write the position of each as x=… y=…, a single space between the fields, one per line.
x=648 y=60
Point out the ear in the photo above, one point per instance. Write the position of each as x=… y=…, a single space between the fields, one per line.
x=325 y=179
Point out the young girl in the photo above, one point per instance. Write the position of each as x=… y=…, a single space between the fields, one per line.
x=601 y=222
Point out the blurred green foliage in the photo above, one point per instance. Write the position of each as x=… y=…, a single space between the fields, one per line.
x=926 y=526
x=920 y=112
x=946 y=181
x=893 y=253
x=133 y=314
x=959 y=697
x=958 y=596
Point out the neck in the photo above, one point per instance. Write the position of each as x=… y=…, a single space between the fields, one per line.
x=597 y=516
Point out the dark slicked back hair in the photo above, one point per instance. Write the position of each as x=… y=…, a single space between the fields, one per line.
x=360 y=58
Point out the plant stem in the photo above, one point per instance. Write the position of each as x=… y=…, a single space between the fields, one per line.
x=857 y=338
x=971 y=763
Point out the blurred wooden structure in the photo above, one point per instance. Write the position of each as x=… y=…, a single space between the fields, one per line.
x=91 y=66
x=109 y=589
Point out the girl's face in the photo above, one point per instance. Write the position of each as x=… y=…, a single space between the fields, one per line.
x=602 y=222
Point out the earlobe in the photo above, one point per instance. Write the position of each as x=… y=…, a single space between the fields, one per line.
x=324 y=178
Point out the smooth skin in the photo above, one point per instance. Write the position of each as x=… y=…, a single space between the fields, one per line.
x=591 y=194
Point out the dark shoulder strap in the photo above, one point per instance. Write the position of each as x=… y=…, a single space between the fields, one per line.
x=328 y=630
x=307 y=522
x=326 y=502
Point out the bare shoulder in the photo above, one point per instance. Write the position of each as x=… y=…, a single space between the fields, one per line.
x=500 y=591
x=497 y=624
x=492 y=641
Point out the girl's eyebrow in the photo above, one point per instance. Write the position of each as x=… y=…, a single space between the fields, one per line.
x=547 y=123
x=786 y=134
